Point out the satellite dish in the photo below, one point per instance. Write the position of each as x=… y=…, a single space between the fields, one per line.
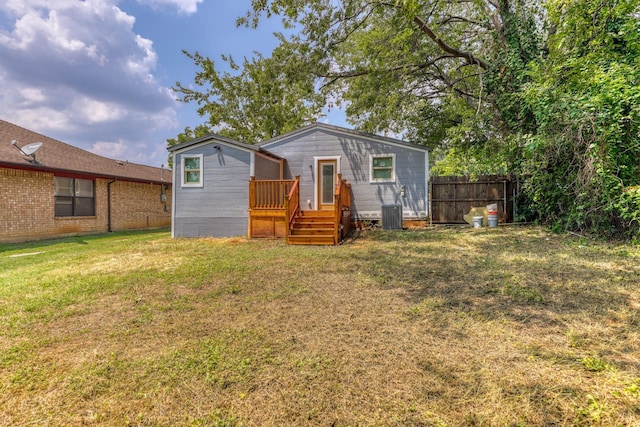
x=29 y=149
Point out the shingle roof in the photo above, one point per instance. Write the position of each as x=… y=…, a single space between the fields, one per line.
x=56 y=156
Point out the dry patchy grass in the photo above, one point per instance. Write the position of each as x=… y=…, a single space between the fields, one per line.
x=438 y=327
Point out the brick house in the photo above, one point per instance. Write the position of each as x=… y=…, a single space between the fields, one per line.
x=63 y=190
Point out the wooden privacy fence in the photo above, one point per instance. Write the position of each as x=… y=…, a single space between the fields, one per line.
x=451 y=197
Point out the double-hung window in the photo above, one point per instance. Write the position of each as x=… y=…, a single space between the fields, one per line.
x=383 y=168
x=192 y=171
x=74 y=197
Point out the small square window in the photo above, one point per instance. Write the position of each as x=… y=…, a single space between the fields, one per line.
x=192 y=171
x=383 y=168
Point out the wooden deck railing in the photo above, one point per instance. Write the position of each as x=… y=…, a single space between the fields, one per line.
x=292 y=205
x=275 y=204
x=342 y=213
x=268 y=194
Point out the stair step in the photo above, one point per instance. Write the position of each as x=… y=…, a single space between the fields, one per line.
x=312 y=221
x=313 y=225
x=312 y=231
x=303 y=239
x=316 y=214
x=312 y=228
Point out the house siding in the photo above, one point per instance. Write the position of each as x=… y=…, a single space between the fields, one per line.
x=27 y=203
x=266 y=168
x=354 y=157
x=220 y=207
x=210 y=227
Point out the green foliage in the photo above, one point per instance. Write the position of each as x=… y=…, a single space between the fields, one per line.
x=584 y=151
x=259 y=99
x=521 y=293
x=594 y=411
x=471 y=162
x=633 y=389
x=628 y=207
x=595 y=364
x=518 y=43
x=395 y=65
x=401 y=80
x=189 y=134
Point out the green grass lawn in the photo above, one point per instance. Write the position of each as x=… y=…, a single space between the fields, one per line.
x=512 y=326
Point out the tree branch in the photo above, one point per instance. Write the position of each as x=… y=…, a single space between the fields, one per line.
x=426 y=29
x=467 y=56
x=357 y=73
x=452 y=18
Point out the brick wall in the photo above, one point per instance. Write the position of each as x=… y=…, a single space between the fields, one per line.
x=27 y=207
x=136 y=205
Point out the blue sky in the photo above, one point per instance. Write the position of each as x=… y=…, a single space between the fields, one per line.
x=98 y=74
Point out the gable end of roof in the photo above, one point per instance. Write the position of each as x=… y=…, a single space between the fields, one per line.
x=343 y=131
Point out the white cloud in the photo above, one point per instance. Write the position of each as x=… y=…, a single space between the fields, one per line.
x=114 y=150
x=32 y=95
x=93 y=111
x=143 y=153
x=183 y=6
x=77 y=71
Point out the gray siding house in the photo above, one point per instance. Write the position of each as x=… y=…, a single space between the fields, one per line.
x=212 y=174
x=381 y=170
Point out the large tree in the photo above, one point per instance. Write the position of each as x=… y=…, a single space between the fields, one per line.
x=419 y=68
x=256 y=100
x=416 y=67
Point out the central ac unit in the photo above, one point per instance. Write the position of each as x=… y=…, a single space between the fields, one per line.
x=392 y=217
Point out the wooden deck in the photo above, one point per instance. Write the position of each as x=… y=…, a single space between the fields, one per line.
x=274 y=211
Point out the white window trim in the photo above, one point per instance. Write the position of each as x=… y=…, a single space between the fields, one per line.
x=183 y=157
x=373 y=180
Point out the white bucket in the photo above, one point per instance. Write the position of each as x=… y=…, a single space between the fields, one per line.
x=493 y=219
x=477 y=221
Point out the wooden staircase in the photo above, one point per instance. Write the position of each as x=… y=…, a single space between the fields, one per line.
x=312 y=228
x=274 y=211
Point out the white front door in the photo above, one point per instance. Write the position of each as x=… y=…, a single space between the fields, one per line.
x=326 y=179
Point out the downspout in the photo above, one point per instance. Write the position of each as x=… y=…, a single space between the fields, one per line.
x=109 y=205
